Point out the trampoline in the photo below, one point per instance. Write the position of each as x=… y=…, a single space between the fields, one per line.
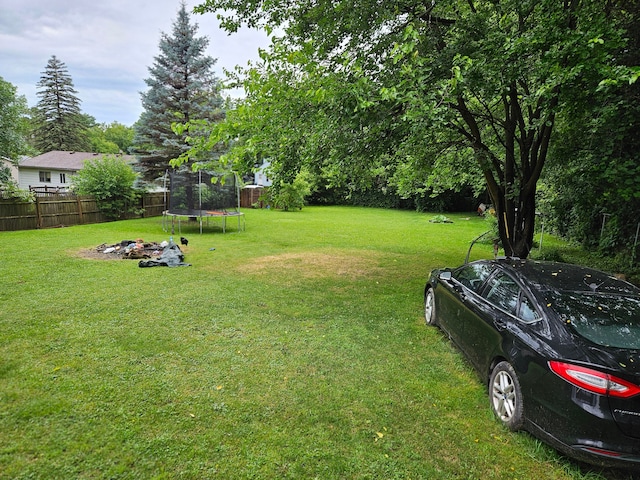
x=202 y=195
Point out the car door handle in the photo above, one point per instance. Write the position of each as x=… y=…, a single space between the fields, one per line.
x=500 y=325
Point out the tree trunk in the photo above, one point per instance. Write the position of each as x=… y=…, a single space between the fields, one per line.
x=511 y=182
x=516 y=222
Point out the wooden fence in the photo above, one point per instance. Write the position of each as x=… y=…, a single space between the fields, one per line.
x=65 y=210
x=250 y=197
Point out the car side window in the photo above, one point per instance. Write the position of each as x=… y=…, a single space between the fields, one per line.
x=503 y=292
x=527 y=311
x=473 y=275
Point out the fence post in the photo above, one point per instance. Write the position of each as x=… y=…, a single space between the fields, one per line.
x=38 y=216
x=79 y=203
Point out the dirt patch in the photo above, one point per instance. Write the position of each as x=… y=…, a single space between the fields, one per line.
x=340 y=263
x=125 y=250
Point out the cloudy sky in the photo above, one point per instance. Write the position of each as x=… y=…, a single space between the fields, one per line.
x=107 y=47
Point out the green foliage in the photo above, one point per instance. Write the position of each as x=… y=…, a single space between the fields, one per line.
x=423 y=98
x=58 y=121
x=182 y=87
x=492 y=224
x=5 y=174
x=111 y=181
x=290 y=196
x=592 y=192
x=440 y=219
x=99 y=144
x=9 y=188
x=14 y=126
x=119 y=134
x=553 y=254
x=111 y=138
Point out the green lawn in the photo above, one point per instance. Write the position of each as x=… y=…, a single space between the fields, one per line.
x=295 y=349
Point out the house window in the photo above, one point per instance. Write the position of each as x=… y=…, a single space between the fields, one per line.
x=63 y=178
x=45 y=177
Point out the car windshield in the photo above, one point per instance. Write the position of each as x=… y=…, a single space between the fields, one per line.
x=607 y=320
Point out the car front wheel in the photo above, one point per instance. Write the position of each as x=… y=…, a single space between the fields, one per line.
x=429 y=307
x=506 y=396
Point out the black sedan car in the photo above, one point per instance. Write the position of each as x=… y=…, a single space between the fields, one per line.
x=559 y=348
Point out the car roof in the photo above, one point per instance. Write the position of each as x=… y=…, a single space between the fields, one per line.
x=545 y=275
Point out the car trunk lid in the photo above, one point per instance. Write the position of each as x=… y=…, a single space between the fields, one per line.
x=625 y=365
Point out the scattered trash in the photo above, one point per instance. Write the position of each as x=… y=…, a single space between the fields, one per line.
x=440 y=219
x=150 y=254
x=130 y=249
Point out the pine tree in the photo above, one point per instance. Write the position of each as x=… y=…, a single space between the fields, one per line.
x=58 y=119
x=182 y=87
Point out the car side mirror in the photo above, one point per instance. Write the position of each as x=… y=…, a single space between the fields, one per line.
x=445 y=276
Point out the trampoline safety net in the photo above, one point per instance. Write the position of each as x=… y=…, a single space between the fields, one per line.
x=199 y=195
x=194 y=194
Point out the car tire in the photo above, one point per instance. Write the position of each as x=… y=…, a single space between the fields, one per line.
x=430 y=307
x=506 y=396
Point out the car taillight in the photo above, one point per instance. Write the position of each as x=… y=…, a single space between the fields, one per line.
x=594 y=380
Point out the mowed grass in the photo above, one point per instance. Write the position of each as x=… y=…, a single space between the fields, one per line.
x=294 y=349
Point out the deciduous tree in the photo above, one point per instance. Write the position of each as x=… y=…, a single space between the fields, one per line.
x=110 y=138
x=13 y=122
x=458 y=87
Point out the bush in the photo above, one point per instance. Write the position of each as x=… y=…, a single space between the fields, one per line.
x=291 y=196
x=110 y=180
x=11 y=190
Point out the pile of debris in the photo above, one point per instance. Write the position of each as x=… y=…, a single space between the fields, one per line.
x=133 y=249
x=164 y=254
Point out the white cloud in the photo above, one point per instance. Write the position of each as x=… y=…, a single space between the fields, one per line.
x=107 y=47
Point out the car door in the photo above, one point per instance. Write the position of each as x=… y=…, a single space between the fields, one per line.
x=502 y=312
x=463 y=288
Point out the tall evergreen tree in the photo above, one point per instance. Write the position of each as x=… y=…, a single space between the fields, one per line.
x=58 y=119
x=181 y=87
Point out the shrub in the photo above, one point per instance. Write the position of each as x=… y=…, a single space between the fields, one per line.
x=291 y=196
x=110 y=180
x=10 y=189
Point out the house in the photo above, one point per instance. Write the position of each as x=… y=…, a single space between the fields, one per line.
x=260 y=176
x=52 y=171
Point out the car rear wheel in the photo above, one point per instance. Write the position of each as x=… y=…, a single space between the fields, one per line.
x=429 y=307
x=506 y=396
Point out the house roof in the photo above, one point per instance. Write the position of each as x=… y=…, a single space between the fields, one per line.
x=62 y=160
